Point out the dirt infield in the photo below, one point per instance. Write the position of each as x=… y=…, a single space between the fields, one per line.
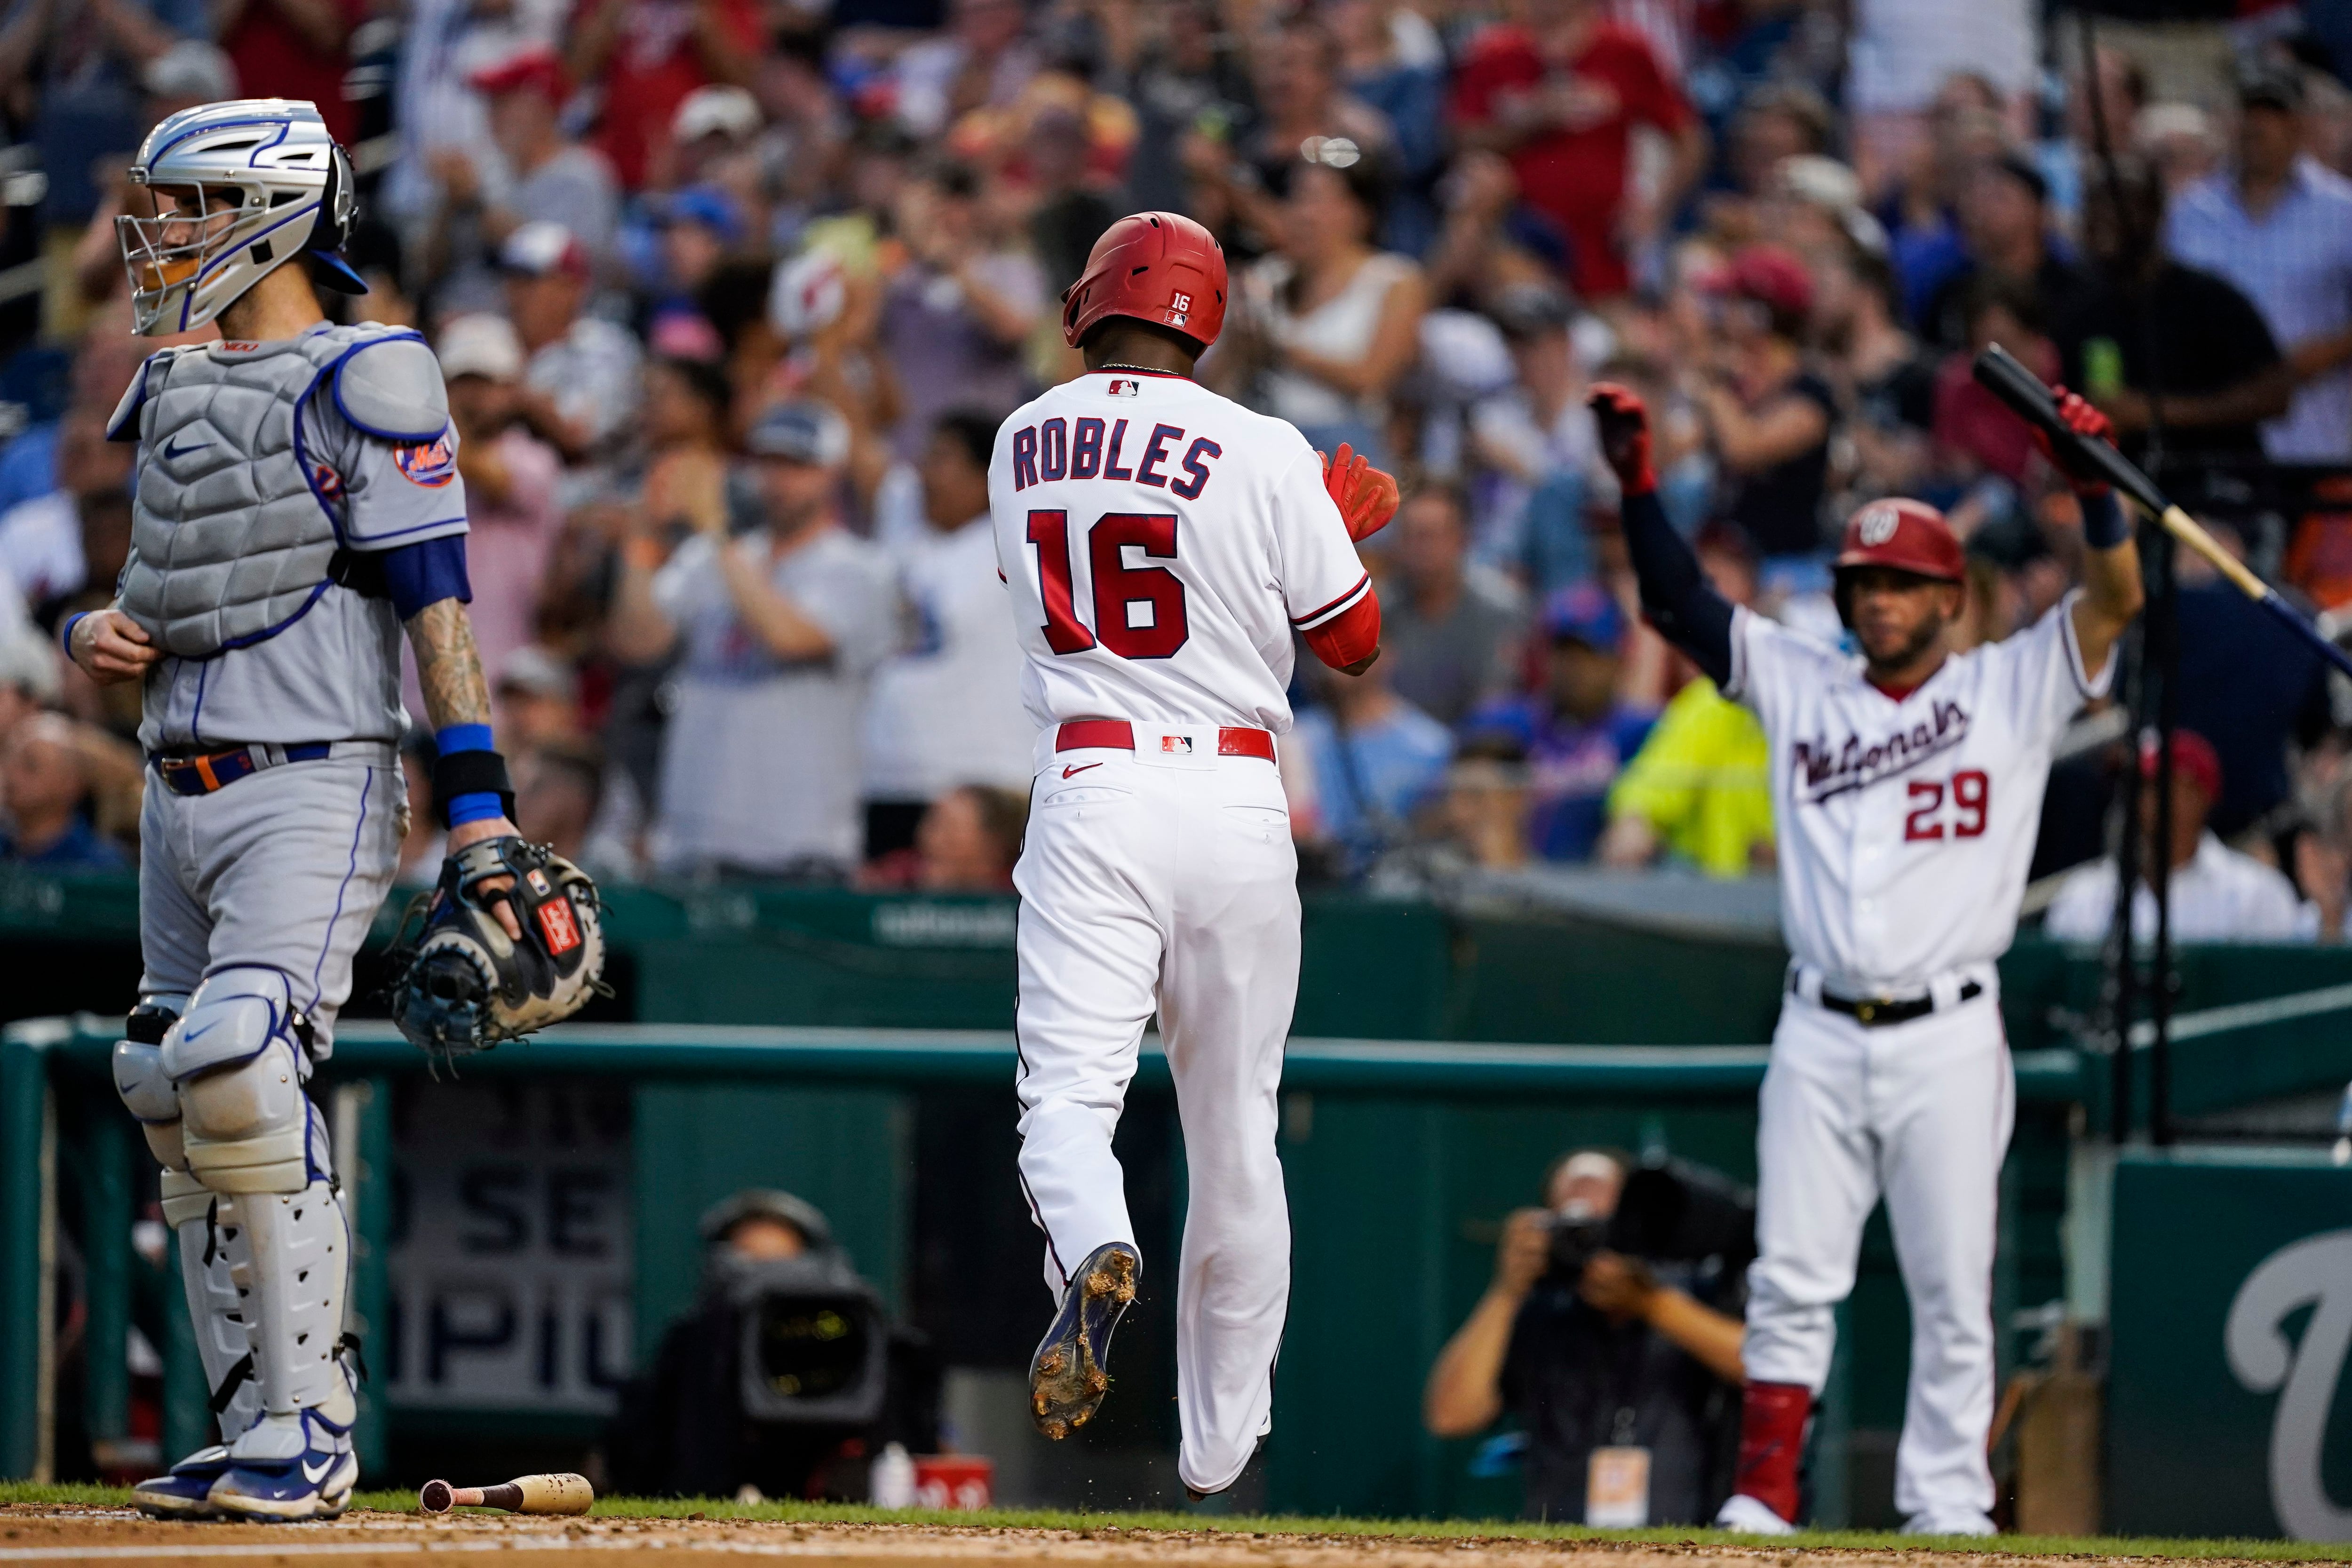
x=70 y=1533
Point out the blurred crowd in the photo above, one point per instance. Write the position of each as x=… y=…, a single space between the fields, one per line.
x=731 y=294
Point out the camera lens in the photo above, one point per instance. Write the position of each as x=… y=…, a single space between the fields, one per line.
x=812 y=1347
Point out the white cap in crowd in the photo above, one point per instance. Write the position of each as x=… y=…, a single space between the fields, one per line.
x=535 y=249
x=481 y=344
x=728 y=111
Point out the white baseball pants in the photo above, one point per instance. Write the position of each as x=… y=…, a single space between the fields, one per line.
x=1163 y=879
x=1919 y=1114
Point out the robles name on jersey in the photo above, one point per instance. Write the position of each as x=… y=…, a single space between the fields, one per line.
x=1163 y=545
x=1052 y=449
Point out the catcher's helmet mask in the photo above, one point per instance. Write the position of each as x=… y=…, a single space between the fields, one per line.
x=262 y=183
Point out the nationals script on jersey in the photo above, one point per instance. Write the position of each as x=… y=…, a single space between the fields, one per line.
x=1906 y=827
x=1162 y=544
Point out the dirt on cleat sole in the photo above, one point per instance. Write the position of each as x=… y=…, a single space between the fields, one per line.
x=1067 y=1381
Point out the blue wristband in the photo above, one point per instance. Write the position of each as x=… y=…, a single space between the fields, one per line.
x=2104 y=525
x=479 y=807
x=462 y=738
x=66 y=636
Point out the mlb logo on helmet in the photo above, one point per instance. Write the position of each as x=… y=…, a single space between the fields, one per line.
x=1877 y=524
x=1179 y=308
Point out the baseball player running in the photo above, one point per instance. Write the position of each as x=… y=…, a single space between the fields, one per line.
x=1162 y=545
x=1908 y=786
x=298 y=505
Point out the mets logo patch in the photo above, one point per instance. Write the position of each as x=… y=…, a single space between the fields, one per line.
x=427 y=463
x=555 y=924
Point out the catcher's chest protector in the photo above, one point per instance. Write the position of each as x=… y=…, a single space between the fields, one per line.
x=234 y=523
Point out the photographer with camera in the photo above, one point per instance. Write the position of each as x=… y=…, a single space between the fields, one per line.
x=1611 y=1333
x=788 y=1375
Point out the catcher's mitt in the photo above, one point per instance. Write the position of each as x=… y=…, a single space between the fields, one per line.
x=462 y=985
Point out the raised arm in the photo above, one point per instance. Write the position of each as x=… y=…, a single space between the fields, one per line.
x=1676 y=593
x=2111 y=579
x=1464 y=1390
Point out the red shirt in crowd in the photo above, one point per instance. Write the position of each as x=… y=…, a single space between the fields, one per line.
x=652 y=66
x=273 y=60
x=1575 y=174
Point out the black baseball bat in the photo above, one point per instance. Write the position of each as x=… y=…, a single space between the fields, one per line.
x=1998 y=371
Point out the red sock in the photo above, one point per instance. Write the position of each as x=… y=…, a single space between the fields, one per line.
x=1771 y=1439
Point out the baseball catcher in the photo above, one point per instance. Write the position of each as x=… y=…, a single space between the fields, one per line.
x=297 y=509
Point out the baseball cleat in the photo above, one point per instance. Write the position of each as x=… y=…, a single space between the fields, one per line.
x=185 y=1493
x=1745 y=1515
x=1203 y=1494
x=287 y=1469
x=1068 y=1376
x=1960 y=1522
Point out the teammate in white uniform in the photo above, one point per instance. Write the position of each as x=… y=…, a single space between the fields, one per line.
x=1907 y=787
x=1163 y=546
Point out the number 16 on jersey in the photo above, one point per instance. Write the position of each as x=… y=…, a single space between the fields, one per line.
x=1138 y=610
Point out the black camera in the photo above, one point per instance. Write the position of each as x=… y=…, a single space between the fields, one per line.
x=1669 y=1211
x=815 y=1345
x=1575 y=1237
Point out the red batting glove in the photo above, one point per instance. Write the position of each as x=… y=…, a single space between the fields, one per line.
x=2084 y=419
x=1366 y=496
x=1624 y=436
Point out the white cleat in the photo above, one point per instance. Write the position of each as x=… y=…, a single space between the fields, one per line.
x=1745 y=1515
x=1960 y=1522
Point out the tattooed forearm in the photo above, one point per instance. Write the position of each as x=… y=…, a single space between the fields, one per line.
x=448 y=666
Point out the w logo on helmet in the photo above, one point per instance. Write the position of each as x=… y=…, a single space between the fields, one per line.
x=1876 y=525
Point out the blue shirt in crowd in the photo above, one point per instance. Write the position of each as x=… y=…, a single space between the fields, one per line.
x=1388 y=770
x=79 y=849
x=1572 y=766
x=2295 y=262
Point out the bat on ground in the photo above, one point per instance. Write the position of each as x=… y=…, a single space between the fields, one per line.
x=2000 y=373
x=525 y=1494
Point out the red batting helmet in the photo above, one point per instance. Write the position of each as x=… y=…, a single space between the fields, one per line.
x=1156 y=267
x=1903 y=536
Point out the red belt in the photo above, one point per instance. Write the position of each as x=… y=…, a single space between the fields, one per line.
x=1118 y=735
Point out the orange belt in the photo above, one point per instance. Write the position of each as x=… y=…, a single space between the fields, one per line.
x=1118 y=735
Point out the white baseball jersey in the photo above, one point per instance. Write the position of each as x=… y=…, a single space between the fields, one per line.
x=1906 y=827
x=1907 y=824
x=1161 y=543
